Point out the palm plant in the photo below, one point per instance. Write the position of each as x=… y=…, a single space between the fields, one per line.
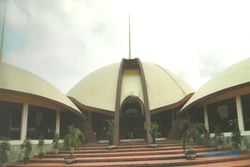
x=56 y=142
x=236 y=136
x=27 y=147
x=219 y=137
x=72 y=141
x=191 y=133
x=110 y=131
x=40 y=145
x=154 y=131
x=4 y=150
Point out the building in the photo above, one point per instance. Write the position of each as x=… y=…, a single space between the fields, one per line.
x=134 y=94
x=223 y=99
x=31 y=107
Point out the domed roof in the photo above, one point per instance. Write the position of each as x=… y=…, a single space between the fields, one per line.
x=98 y=90
x=233 y=76
x=16 y=79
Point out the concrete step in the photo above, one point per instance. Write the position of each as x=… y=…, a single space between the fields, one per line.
x=104 y=150
x=117 y=158
x=86 y=147
x=244 y=158
x=153 y=152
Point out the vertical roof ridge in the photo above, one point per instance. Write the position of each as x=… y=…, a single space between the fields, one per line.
x=182 y=90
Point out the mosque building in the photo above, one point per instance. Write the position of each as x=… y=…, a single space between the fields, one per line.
x=133 y=93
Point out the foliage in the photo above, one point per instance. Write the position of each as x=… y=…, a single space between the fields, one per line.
x=4 y=150
x=56 y=140
x=154 y=131
x=236 y=136
x=218 y=136
x=206 y=140
x=27 y=146
x=191 y=133
x=74 y=138
x=110 y=131
x=40 y=145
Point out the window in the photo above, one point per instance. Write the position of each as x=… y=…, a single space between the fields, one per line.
x=41 y=123
x=197 y=114
x=10 y=120
x=245 y=101
x=222 y=115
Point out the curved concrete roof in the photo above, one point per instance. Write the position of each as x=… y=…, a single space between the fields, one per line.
x=98 y=90
x=233 y=76
x=17 y=79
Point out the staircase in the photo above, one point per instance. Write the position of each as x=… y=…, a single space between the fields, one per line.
x=167 y=153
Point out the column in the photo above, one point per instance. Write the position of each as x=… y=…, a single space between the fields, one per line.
x=117 y=128
x=58 y=114
x=24 y=122
x=240 y=114
x=148 y=123
x=206 y=117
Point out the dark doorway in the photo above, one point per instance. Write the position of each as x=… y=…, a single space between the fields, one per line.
x=132 y=119
x=164 y=120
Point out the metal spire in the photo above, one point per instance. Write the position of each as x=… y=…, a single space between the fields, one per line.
x=2 y=36
x=129 y=37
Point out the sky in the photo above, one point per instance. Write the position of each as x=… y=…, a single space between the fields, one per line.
x=64 y=41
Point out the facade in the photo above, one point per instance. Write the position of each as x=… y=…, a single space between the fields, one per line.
x=30 y=107
x=224 y=99
x=134 y=94
x=131 y=92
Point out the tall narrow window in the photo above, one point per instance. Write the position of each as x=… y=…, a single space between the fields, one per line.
x=245 y=101
x=10 y=120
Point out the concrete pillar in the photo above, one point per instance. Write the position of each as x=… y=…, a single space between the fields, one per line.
x=24 y=121
x=240 y=114
x=206 y=117
x=117 y=128
x=148 y=126
x=58 y=115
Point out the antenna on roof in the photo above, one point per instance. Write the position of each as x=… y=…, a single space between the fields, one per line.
x=2 y=35
x=129 y=40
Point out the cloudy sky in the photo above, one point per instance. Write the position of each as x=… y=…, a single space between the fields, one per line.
x=63 y=41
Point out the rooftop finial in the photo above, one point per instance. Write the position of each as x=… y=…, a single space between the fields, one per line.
x=2 y=36
x=129 y=36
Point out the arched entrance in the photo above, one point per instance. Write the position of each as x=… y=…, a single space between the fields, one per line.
x=132 y=119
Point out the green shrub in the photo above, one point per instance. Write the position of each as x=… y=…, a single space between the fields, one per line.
x=236 y=136
x=154 y=131
x=110 y=131
x=27 y=147
x=4 y=150
x=73 y=139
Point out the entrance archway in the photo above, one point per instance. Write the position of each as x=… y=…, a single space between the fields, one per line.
x=132 y=119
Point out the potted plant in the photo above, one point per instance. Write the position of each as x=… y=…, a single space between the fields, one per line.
x=4 y=150
x=56 y=143
x=110 y=132
x=191 y=132
x=27 y=148
x=40 y=145
x=218 y=137
x=236 y=136
x=72 y=141
x=154 y=133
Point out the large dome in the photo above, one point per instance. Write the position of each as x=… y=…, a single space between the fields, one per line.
x=233 y=77
x=13 y=79
x=98 y=90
